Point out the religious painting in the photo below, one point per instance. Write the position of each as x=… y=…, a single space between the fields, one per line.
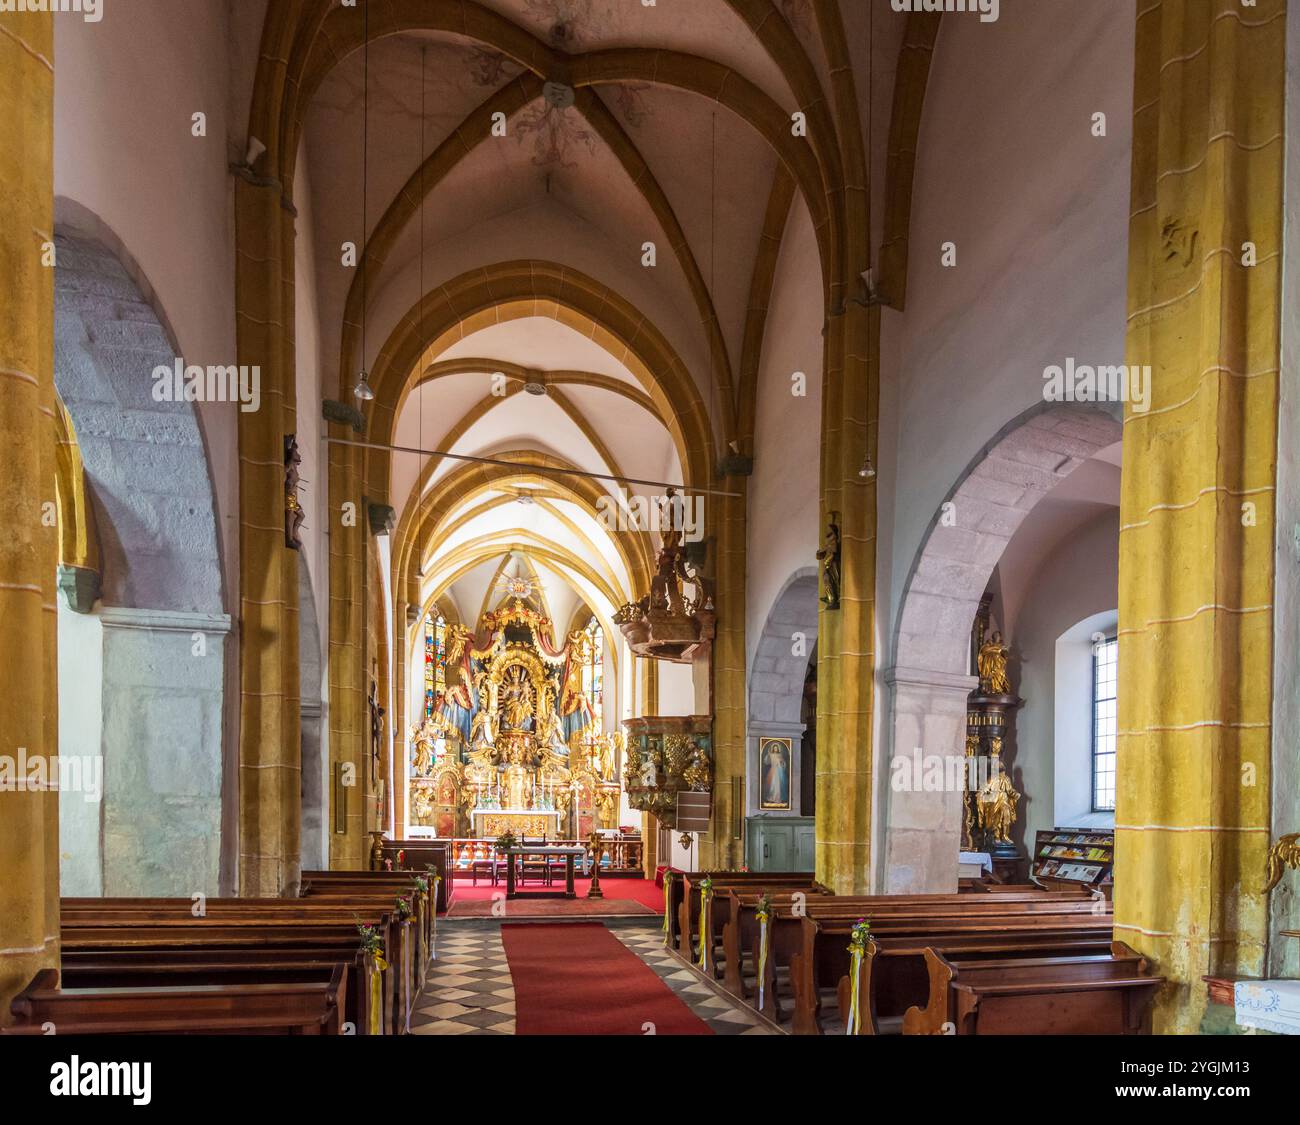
x=774 y=774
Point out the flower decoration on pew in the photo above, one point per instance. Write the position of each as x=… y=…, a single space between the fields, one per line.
x=857 y=951
x=372 y=943
x=668 y=910
x=762 y=913
x=706 y=921
x=404 y=908
x=421 y=885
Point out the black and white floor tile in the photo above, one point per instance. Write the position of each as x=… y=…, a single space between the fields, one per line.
x=469 y=990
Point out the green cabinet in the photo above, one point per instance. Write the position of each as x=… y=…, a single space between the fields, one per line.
x=779 y=843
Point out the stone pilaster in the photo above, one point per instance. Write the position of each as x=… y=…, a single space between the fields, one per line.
x=270 y=783
x=923 y=827
x=1196 y=567
x=348 y=720
x=845 y=642
x=29 y=820
x=721 y=848
x=163 y=675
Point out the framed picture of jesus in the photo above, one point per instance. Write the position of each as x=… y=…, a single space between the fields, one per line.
x=774 y=774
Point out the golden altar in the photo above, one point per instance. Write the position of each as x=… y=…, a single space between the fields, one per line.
x=520 y=750
x=491 y=824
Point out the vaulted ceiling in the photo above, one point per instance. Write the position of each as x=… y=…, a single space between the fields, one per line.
x=582 y=178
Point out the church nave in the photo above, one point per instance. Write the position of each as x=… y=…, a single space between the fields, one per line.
x=600 y=519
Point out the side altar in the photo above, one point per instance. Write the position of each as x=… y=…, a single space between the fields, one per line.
x=512 y=744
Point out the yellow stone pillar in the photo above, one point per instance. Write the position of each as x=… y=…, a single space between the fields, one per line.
x=721 y=849
x=845 y=660
x=1197 y=507
x=348 y=671
x=29 y=821
x=270 y=755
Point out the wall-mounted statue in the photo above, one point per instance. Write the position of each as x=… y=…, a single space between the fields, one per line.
x=829 y=557
x=293 y=513
x=993 y=667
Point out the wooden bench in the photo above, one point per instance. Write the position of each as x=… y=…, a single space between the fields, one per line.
x=298 y=1008
x=687 y=890
x=333 y=887
x=894 y=975
x=416 y=857
x=274 y=921
x=264 y=924
x=1100 y=994
x=742 y=935
x=101 y=964
x=676 y=883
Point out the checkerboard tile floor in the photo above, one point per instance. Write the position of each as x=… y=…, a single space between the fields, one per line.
x=469 y=989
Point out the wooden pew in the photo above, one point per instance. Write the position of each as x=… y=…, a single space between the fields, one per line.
x=101 y=964
x=302 y=1008
x=255 y=923
x=676 y=893
x=1102 y=994
x=417 y=855
x=398 y=982
x=687 y=896
x=741 y=934
x=895 y=976
x=333 y=886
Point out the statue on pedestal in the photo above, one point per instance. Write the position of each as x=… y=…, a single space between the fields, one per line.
x=993 y=667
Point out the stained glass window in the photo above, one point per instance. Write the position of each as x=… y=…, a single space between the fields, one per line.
x=593 y=675
x=435 y=653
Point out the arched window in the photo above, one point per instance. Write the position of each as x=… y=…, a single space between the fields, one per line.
x=1105 y=678
x=593 y=675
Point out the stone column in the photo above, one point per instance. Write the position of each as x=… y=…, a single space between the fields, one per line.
x=349 y=723
x=29 y=825
x=923 y=828
x=270 y=784
x=720 y=849
x=1196 y=566
x=846 y=636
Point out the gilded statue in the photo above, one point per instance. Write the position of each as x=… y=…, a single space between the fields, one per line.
x=992 y=663
x=422 y=804
x=829 y=557
x=998 y=799
x=699 y=774
x=484 y=729
x=1283 y=854
x=423 y=741
x=517 y=699
x=968 y=805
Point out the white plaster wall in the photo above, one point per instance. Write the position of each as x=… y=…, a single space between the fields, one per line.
x=1079 y=579
x=1038 y=209
x=782 y=532
x=677 y=693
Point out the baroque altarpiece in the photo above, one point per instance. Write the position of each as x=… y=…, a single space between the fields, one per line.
x=511 y=741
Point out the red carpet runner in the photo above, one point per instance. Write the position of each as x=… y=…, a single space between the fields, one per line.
x=576 y=978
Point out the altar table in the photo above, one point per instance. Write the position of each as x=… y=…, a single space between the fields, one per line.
x=570 y=854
